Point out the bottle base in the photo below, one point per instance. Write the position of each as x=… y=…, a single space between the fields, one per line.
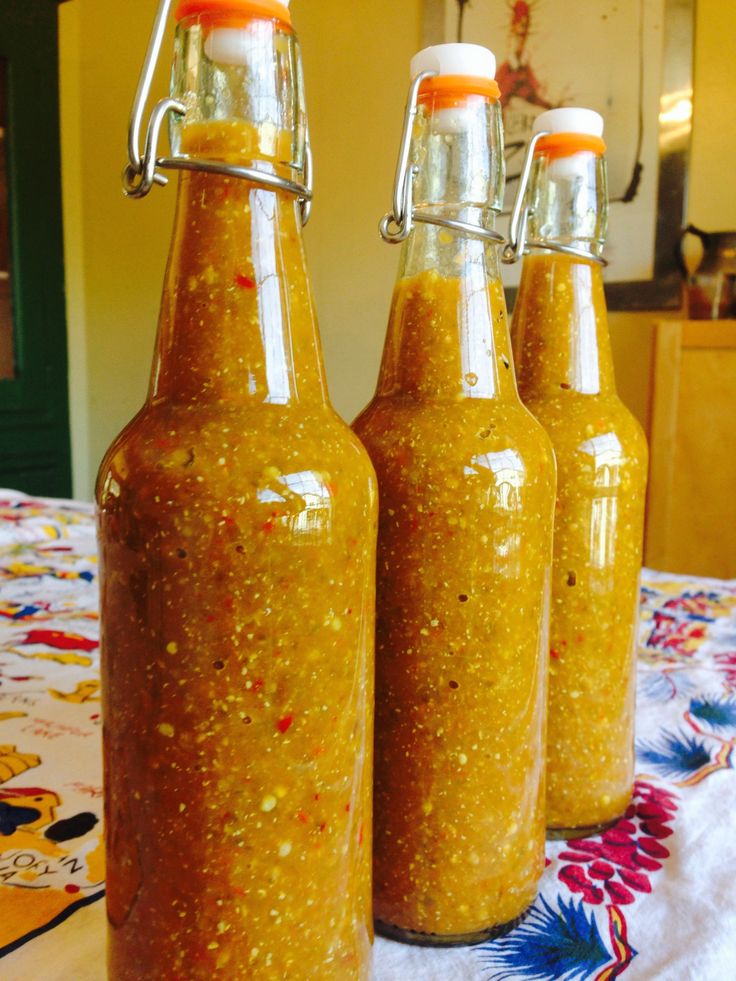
x=392 y=932
x=585 y=831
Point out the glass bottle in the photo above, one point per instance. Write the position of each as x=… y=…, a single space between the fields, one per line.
x=565 y=374
x=466 y=489
x=237 y=523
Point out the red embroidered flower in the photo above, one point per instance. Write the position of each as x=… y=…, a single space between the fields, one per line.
x=620 y=858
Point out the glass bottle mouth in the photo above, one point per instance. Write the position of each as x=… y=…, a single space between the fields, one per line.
x=456 y=91
x=555 y=145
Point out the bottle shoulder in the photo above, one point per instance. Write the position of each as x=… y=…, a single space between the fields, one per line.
x=188 y=456
x=590 y=427
x=440 y=436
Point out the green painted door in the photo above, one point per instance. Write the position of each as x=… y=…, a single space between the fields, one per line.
x=34 y=404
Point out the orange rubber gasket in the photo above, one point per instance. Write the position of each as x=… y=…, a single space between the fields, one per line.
x=233 y=12
x=453 y=90
x=566 y=144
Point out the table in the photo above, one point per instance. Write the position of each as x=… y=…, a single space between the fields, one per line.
x=652 y=898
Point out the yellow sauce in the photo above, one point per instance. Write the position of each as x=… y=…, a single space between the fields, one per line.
x=237 y=522
x=565 y=374
x=466 y=484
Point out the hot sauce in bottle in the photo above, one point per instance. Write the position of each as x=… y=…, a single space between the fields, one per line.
x=466 y=485
x=565 y=372
x=237 y=520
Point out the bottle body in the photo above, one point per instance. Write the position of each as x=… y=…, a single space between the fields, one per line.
x=466 y=488
x=237 y=530
x=565 y=375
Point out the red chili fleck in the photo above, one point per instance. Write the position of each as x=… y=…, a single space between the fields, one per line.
x=360 y=835
x=210 y=618
x=347 y=807
x=71 y=888
x=301 y=816
x=323 y=826
x=257 y=684
x=553 y=653
x=228 y=602
x=283 y=724
x=316 y=796
x=267 y=526
x=165 y=444
x=245 y=282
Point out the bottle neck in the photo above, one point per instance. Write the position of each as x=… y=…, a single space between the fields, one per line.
x=561 y=340
x=568 y=200
x=237 y=322
x=448 y=335
x=560 y=329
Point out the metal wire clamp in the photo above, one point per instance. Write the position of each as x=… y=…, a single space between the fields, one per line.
x=143 y=170
x=519 y=244
x=396 y=226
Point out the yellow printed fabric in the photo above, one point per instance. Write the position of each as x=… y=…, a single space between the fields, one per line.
x=51 y=850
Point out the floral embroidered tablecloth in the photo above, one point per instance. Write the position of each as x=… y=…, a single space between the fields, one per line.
x=652 y=898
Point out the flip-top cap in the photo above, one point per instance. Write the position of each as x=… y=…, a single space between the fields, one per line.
x=570 y=120
x=455 y=59
x=234 y=11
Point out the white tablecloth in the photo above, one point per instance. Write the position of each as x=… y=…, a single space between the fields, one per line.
x=653 y=898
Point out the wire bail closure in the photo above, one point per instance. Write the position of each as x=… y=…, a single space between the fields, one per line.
x=518 y=243
x=143 y=170
x=397 y=225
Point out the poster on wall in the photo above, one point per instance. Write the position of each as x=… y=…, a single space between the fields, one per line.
x=631 y=60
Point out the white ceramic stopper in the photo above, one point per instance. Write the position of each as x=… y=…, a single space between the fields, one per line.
x=455 y=59
x=230 y=45
x=569 y=120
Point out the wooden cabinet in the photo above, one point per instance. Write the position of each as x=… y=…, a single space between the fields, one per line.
x=691 y=500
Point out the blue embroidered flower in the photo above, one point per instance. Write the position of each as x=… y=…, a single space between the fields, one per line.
x=675 y=754
x=548 y=946
x=718 y=713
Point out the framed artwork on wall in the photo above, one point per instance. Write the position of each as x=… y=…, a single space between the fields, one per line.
x=631 y=60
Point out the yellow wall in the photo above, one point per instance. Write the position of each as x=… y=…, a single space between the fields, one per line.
x=356 y=65
x=117 y=246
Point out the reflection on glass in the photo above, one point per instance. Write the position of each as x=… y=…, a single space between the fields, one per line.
x=301 y=499
x=608 y=456
x=7 y=359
